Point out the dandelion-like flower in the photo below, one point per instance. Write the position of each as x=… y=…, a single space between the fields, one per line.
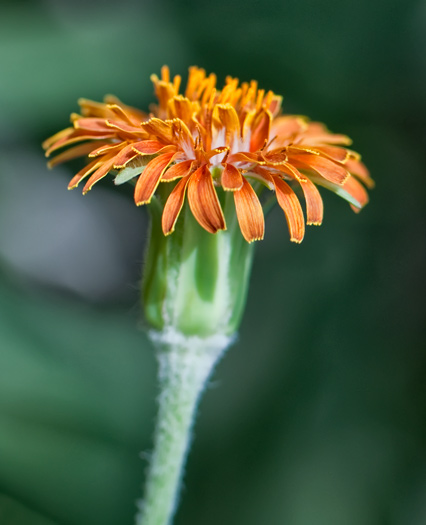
x=235 y=139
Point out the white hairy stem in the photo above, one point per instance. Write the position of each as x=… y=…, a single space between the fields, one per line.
x=185 y=365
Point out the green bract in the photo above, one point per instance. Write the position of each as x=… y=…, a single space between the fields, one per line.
x=194 y=281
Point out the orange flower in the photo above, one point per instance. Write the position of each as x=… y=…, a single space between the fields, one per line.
x=208 y=139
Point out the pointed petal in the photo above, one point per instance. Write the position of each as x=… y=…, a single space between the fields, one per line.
x=150 y=177
x=314 y=204
x=326 y=168
x=72 y=153
x=232 y=180
x=173 y=206
x=249 y=213
x=177 y=171
x=99 y=174
x=290 y=204
x=204 y=202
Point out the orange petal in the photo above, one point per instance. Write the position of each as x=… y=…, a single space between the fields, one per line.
x=249 y=213
x=230 y=121
x=125 y=156
x=314 y=204
x=288 y=126
x=150 y=178
x=232 y=179
x=107 y=148
x=260 y=130
x=92 y=124
x=216 y=151
x=61 y=135
x=84 y=172
x=359 y=169
x=90 y=108
x=204 y=202
x=245 y=156
x=77 y=136
x=173 y=206
x=357 y=191
x=159 y=128
x=317 y=133
x=151 y=147
x=72 y=153
x=177 y=171
x=334 y=153
x=326 y=168
x=99 y=174
x=127 y=128
x=291 y=206
x=119 y=112
x=181 y=107
x=352 y=191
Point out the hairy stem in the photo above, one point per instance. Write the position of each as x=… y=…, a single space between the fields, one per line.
x=185 y=364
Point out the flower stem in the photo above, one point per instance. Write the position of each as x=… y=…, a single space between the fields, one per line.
x=185 y=364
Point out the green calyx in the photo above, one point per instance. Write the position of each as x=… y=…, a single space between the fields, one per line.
x=194 y=281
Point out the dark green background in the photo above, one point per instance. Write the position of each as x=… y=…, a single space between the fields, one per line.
x=317 y=415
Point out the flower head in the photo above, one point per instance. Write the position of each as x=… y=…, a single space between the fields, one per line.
x=205 y=139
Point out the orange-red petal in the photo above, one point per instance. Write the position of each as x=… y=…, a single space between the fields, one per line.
x=230 y=121
x=231 y=179
x=177 y=171
x=77 y=136
x=159 y=128
x=359 y=169
x=83 y=173
x=357 y=191
x=151 y=147
x=150 y=178
x=126 y=155
x=173 y=206
x=204 y=202
x=260 y=130
x=326 y=168
x=71 y=153
x=334 y=153
x=314 y=204
x=97 y=125
x=99 y=174
x=290 y=204
x=107 y=148
x=249 y=213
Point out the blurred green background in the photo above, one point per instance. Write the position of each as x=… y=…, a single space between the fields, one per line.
x=317 y=415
